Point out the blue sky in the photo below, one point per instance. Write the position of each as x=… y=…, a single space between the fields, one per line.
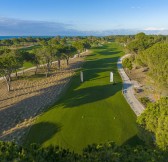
x=61 y=16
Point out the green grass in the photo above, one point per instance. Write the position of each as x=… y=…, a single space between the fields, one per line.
x=91 y=112
x=27 y=65
x=30 y=48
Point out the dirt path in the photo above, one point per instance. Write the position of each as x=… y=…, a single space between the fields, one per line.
x=128 y=90
x=29 y=98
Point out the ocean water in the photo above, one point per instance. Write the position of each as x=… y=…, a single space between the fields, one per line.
x=10 y=37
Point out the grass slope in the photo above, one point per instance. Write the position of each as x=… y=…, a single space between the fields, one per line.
x=91 y=112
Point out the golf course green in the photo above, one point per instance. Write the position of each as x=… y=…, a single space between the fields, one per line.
x=94 y=111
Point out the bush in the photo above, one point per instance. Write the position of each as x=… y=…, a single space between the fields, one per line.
x=154 y=120
x=127 y=63
x=145 y=101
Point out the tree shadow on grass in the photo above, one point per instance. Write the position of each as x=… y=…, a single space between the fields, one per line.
x=28 y=108
x=101 y=63
x=90 y=94
x=133 y=141
x=104 y=47
x=92 y=70
x=105 y=50
x=76 y=97
x=107 y=53
x=41 y=132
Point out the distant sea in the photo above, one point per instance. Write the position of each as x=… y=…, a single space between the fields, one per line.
x=10 y=37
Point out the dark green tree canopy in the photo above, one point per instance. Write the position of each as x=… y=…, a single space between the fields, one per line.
x=156 y=59
x=155 y=120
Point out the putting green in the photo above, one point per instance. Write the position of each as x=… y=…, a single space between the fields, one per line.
x=94 y=111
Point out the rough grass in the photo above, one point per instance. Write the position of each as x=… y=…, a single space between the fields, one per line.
x=91 y=112
x=29 y=49
x=27 y=65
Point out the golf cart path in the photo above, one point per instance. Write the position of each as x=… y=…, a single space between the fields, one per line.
x=128 y=90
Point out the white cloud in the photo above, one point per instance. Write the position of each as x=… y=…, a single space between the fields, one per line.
x=10 y=26
x=154 y=28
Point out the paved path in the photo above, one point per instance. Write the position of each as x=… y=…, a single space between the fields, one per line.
x=128 y=90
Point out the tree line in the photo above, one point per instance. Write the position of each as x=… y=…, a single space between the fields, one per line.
x=49 y=50
x=107 y=152
x=23 y=40
x=149 y=52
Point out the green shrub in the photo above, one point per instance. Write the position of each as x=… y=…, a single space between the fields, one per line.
x=145 y=101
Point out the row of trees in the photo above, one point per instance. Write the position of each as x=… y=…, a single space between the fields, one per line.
x=18 y=41
x=142 y=41
x=23 y=40
x=139 y=41
x=108 y=152
x=156 y=59
x=55 y=49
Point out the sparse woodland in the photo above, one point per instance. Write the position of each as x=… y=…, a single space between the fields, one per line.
x=26 y=93
x=150 y=52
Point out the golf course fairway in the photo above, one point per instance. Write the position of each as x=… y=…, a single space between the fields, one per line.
x=94 y=111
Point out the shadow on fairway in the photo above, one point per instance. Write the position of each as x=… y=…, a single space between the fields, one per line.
x=92 y=70
x=104 y=47
x=111 y=52
x=41 y=132
x=91 y=94
x=133 y=141
x=102 y=63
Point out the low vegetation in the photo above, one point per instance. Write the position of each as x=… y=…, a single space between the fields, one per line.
x=108 y=152
x=145 y=101
x=127 y=63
